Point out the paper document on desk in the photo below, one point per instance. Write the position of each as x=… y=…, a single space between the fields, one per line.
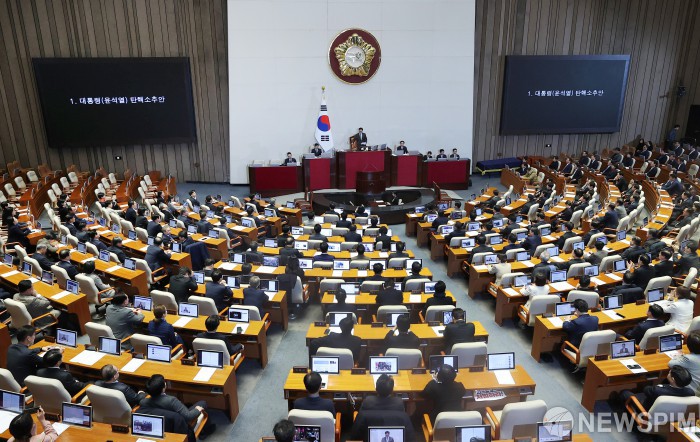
x=181 y=322
x=510 y=291
x=87 y=357
x=353 y=254
x=548 y=238
x=504 y=377
x=596 y=281
x=614 y=276
x=480 y=268
x=439 y=330
x=270 y=295
x=266 y=269
x=337 y=273
x=113 y=269
x=60 y=295
x=337 y=330
x=632 y=366
x=33 y=280
x=528 y=263
x=132 y=365
x=10 y=273
x=362 y=273
x=612 y=315
x=141 y=439
x=415 y=299
x=238 y=228
x=92 y=258
x=204 y=374
x=556 y=322
x=60 y=427
x=127 y=240
x=144 y=248
x=673 y=353
x=228 y=266
x=561 y=286
x=383 y=254
x=349 y=299
x=5 y=419
x=489 y=395
x=556 y=259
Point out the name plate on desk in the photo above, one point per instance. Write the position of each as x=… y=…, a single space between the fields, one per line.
x=187 y=362
x=434 y=323
x=124 y=429
x=418 y=371
x=358 y=371
x=300 y=369
x=377 y=324
x=319 y=323
x=476 y=369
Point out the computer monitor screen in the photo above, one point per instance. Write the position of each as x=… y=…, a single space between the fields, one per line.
x=238 y=258
x=270 y=212
x=333 y=247
x=578 y=245
x=327 y=232
x=521 y=235
x=233 y=282
x=350 y=288
x=301 y=245
x=269 y=285
x=172 y=223
x=495 y=240
x=671 y=342
x=150 y=240
x=131 y=234
x=147 y=425
x=210 y=358
x=544 y=231
x=72 y=286
x=447 y=317
x=437 y=361
x=187 y=309
x=27 y=268
x=290 y=204
x=564 y=308
x=116 y=228
x=481 y=433
x=306 y=263
x=10 y=401
x=236 y=314
x=297 y=230
x=621 y=235
x=446 y=230
x=109 y=345
x=305 y=433
x=491 y=259
x=522 y=256
x=383 y=434
x=622 y=349
x=612 y=302
x=130 y=264
x=369 y=246
x=478 y=211
x=473 y=226
x=47 y=277
x=75 y=414
x=429 y=287
x=82 y=248
x=325 y=364
x=554 y=431
x=467 y=243
x=430 y=217
x=341 y=264
x=591 y=270
x=159 y=353
x=409 y=262
x=419 y=209
x=383 y=364
x=553 y=251
x=213 y=233
x=271 y=261
x=7 y=259
x=198 y=277
x=176 y=247
x=391 y=319
x=104 y=255
x=372 y=262
x=334 y=318
x=270 y=243
x=443 y=206
x=500 y=361
x=191 y=229
x=619 y=265
x=655 y=295
x=66 y=337
x=521 y=281
x=498 y=223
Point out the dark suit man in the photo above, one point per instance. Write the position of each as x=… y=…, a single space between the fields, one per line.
x=204 y=226
x=183 y=285
x=611 y=219
x=130 y=213
x=583 y=323
x=568 y=233
x=65 y=264
x=141 y=220
x=458 y=331
x=52 y=361
x=689 y=258
x=644 y=272
x=679 y=379
x=23 y=361
x=212 y=324
x=344 y=339
x=654 y=319
x=154 y=228
x=252 y=295
x=317 y=151
x=629 y=291
x=360 y=137
x=218 y=291
x=384 y=400
x=116 y=248
x=40 y=257
x=568 y=167
x=352 y=235
x=156 y=256
x=664 y=266
x=389 y=295
x=18 y=233
x=532 y=241
x=110 y=379
x=313 y=402
x=155 y=387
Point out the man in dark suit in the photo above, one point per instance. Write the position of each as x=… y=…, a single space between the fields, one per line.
x=116 y=248
x=40 y=256
x=344 y=222
x=568 y=167
x=154 y=228
x=65 y=264
x=673 y=186
x=204 y=226
x=402 y=336
x=634 y=251
x=416 y=268
x=481 y=247
x=183 y=285
x=532 y=240
x=383 y=238
x=441 y=154
x=252 y=295
x=156 y=255
x=290 y=160
x=344 y=339
x=654 y=319
x=389 y=295
x=400 y=247
x=576 y=175
x=312 y=401
x=316 y=150
x=377 y=270
x=458 y=331
x=23 y=361
x=582 y=324
x=678 y=378
x=352 y=235
x=317 y=234
x=688 y=259
x=193 y=199
x=665 y=266
x=616 y=156
x=439 y=297
x=360 y=138
x=289 y=251
x=130 y=212
x=568 y=233
x=212 y=324
x=643 y=272
x=628 y=161
x=110 y=379
x=52 y=362
x=155 y=387
x=217 y=290
x=441 y=219
x=611 y=219
x=384 y=400
x=252 y=255
x=555 y=164
x=324 y=255
x=401 y=149
x=629 y=291
x=141 y=220
x=18 y=232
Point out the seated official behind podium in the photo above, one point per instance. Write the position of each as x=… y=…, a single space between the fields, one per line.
x=290 y=160
x=444 y=392
x=441 y=155
x=582 y=324
x=458 y=331
x=110 y=379
x=316 y=150
x=401 y=149
x=344 y=339
x=312 y=401
x=454 y=155
x=401 y=336
x=384 y=400
x=361 y=138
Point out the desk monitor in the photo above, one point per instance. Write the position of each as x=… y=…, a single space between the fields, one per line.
x=64 y=239
x=160 y=353
x=233 y=282
x=508 y=201
x=176 y=247
x=82 y=248
x=478 y=211
x=150 y=240
x=131 y=234
x=191 y=229
x=269 y=285
x=384 y=365
x=271 y=261
x=554 y=431
x=210 y=358
x=341 y=264
x=210 y=214
x=195 y=209
x=27 y=268
x=129 y=264
x=327 y=232
x=305 y=433
x=437 y=361
x=334 y=318
x=213 y=233
x=334 y=247
x=116 y=228
x=419 y=210
x=481 y=433
x=619 y=265
x=172 y=223
x=271 y=243
x=521 y=280
x=270 y=212
x=382 y=434
x=456 y=214
x=110 y=346
x=467 y=243
x=544 y=231
x=447 y=317
x=671 y=342
x=301 y=245
x=397 y=286
x=495 y=240
x=473 y=226
x=564 y=308
x=237 y=314
x=498 y=223
x=290 y=204
x=591 y=270
x=545 y=208
x=7 y=259
x=612 y=302
x=147 y=425
x=522 y=256
x=372 y=262
x=409 y=263
x=429 y=287
x=238 y=258
x=622 y=349
x=621 y=235
x=443 y=206
x=369 y=246
x=491 y=259
x=105 y=256
x=296 y=230
x=500 y=361
x=10 y=401
x=325 y=364
x=590 y=213
x=518 y=219
x=655 y=295
x=198 y=277
x=578 y=245
x=350 y=288
x=187 y=309
x=553 y=251
x=447 y=229
x=521 y=236
x=75 y=414
x=430 y=217
x=72 y=286
x=391 y=318
x=306 y=263
x=47 y=277
x=66 y=337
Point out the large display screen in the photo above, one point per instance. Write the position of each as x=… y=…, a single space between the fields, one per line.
x=115 y=101
x=563 y=94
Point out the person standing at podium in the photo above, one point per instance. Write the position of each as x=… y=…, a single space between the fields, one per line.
x=289 y=160
x=317 y=151
x=401 y=149
x=361 y=138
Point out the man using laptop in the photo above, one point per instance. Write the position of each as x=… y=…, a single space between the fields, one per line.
x=153 y=227
x=324 y=255
x=65 y=264
x=52 y=361
x=384 y=400
x=289 y=251
x=252 y=255
x=416 y=268
x=344 y=339
x=400 y=247
x=317 y=235
x=110 y=379
x=156 y=255
x=344 y=222
x=312 y=401
x=439 y=297
x=217 y=290
x=383 y=238
x=377 y=269
x=212 y=324
x=582 y=324
x=389 y=295
x=458 y=331
x=654 y=319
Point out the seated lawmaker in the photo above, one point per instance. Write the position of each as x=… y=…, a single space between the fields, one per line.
x=40 y=256
x=340 y=305
x=65 y=264
x=22 y=360
x=352 y=235
x=160 y=328
x=52 y=361
x=383 y=238
x=212 y=324
x=313 y=401
x=252 y=295
x=324 y=255
x=110 y=379
x=458 y=331
x=439 y=297
x=444 y=392
x=384 y=400
x=654 y=319
x=401 y=336
x=678 y=378
x=582 y=324
x=217 y=290
x=344 y=339
x=289 y=160
x=389 y=295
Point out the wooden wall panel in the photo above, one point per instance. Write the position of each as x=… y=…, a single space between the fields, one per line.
x=662 y=38
x=116 y=28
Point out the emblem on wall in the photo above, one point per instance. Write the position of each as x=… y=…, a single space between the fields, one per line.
x=354 y=56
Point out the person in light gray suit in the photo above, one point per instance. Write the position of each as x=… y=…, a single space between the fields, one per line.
x=122 y=319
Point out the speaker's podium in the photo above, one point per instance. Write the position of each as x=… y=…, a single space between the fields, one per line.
x=374 y=165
